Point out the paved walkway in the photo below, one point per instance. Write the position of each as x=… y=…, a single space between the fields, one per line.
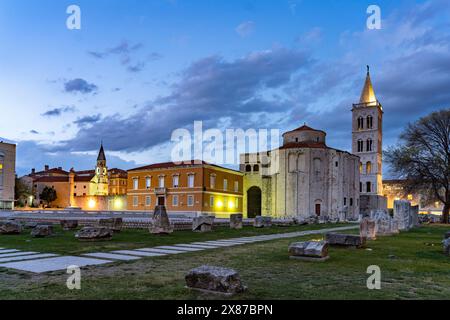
x=37 y=262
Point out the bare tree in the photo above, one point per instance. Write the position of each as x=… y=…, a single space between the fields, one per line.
x=423 y=158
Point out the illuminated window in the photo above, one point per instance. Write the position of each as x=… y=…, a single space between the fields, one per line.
x=236 y=186
x=190 y=201
x=410 y=197
x=236 y=203
x=211 y=201
x=360 y=168
x=368 y=167
x=2 y=161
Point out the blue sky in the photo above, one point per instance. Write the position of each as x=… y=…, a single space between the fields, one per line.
x=137 y=70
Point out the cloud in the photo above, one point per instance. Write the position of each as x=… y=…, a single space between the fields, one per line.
x=126 y=51
x=56 y=112
x=86 y=120
x=35 y=154
x=34 y=132
x=245 y=29
x=210 y=89
x=79 y=86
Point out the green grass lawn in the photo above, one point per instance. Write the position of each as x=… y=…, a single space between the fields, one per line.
x=412 y=265
x=64 y=242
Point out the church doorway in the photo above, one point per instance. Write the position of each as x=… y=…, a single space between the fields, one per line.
x=253 y=202
x=161 y=201
x=318 y=209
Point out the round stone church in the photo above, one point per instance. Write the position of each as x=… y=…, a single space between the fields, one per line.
x=302 y=178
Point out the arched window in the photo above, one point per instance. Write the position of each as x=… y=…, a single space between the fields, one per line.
x=360 y=123
x=248 y=168
x=360 y=187
x=360 y=146
x=368 y=167
x=369 y=145
x=369 y=122
x=360 y=168
x=256 y=168
x=368 y=187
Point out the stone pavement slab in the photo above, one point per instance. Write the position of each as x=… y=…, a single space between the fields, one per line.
x=29 y=257
x=180 y=248
x=53 y=264
x=201 y=246
x=8 y=251
x=164 y=251
x=17 y=254
x=139 y=253
x=112 y=256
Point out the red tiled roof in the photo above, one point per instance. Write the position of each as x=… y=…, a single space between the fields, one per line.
x=166 y=165
x=84 y=178
x=85 y=172
x=52 y=179
x=304 y=128
x=53 y=171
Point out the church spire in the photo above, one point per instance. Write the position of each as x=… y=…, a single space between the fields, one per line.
x=368 y=94
x=101 y=154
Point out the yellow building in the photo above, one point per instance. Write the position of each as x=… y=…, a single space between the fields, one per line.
x=190 y=189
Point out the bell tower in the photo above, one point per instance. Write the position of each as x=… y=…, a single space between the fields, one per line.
x=101 y=174
x=367 y=139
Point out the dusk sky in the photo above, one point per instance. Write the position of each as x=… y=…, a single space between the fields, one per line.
x=137 y=70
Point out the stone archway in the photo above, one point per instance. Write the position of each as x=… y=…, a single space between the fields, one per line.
x=254 y=202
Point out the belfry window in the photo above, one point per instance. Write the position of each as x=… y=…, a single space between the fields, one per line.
x=360 y=123
x=360 y=146
x=369 y=122
x=369 y=144
x=368 y=187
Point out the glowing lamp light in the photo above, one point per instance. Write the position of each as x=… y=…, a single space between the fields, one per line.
x=92 y=204
x=219 y=204
x=230 y=205
x=118 y=204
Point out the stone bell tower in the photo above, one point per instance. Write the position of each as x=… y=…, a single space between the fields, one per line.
x=101 y=174
x=367 y=139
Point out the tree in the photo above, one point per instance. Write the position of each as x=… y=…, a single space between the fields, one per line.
x=48 y=195
x=423 y=158
x=22 y=192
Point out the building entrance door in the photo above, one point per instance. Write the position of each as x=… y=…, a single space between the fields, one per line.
x=253 y=202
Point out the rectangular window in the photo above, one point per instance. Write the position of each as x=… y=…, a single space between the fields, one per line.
x=236 y=203
x=148 y=182
x=212 y=181
x=190 y=201
x=135 y=201
x=2 y=160
x=236 y=186
x=191 y=180
x=161 y=182
x=175 y=200
x=148 y=201
x=211 y=201
x=176 y=181
x=135 y=183
x=225 y=184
